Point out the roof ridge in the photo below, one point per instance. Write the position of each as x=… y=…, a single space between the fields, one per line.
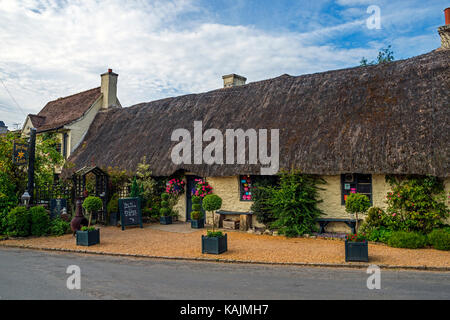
x=66 y=97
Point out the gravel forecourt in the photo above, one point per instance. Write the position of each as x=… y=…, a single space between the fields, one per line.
x=154 y=241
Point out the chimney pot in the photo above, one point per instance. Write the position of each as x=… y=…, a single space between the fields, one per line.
x=233 y=80
x=447 y=15
x=109 y=70
x=444 y=31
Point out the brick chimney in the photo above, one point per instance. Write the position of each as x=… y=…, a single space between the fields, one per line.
x=444 y=31
x=109 y=89
x=233 y=80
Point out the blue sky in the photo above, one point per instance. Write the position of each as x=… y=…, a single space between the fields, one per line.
x=161 y=48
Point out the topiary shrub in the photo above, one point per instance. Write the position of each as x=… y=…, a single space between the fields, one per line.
x=18 y=222
x=356 y=204
x=59 y=227
x=92 y=204
x=40 y=221
x=409 y=240
x=113 y=204
x=212 y=202
x=165 y=210
x=439 y=239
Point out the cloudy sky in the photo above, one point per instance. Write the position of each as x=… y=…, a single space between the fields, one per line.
x=51 y=49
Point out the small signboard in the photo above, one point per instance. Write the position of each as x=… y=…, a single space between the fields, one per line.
x=20 y=153
x=130 y=212
x=56 y=206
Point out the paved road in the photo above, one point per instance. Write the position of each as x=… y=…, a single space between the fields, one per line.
x=26 y=274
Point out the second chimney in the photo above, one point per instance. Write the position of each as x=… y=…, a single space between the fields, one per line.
x=109 y=89
x=444 y=31
x=233 y=80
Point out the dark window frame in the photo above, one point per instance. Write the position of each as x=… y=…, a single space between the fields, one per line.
x=358 y=181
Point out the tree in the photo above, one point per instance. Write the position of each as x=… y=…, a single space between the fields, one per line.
x=357 y=203
x=385 y=55
x=212 y=202
x=92 y=204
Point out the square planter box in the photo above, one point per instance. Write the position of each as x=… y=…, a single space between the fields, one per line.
x=165 y=220
x=356 y=251
x=88 y=238
x=197 y=224
x=214 y=245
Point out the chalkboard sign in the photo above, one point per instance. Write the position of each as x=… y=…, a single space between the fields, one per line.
x=130 y=212
x=56 y=206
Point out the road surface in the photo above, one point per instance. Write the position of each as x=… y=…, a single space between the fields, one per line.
x=27 y=274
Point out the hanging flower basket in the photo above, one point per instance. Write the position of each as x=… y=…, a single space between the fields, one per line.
x=201 y=189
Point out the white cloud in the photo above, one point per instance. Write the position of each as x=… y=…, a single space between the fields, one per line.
x=49 y=50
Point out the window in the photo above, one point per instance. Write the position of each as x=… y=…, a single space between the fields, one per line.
x=245 y=187
x=356 y=183
x=248 y=183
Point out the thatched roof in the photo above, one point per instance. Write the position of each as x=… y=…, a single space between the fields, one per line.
x=65 y=110
x=383 y=119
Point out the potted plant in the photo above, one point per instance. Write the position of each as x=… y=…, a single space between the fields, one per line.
x=356 y=245
x=113 y=210
x=165 y=217
x=88 y=236
x=215 y=242
x=197 y=221
x=356 y=248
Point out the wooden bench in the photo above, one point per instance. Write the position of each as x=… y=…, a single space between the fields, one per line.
x=323 y=222
x=245 y=218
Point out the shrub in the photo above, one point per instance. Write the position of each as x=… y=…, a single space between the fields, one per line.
x=439 y=239
x=212 y=202
x=197 y=207
x=294 y=203
x=410 y=240
x=214 y=234
x=88 y=228
x=3 y=221
x=113 y=204
x=196 y=215
x=18 y=222
x=379 y=235
x=40 y=221
x=417 y=203
x=260 y=196
x=196 y=200
x=164 y=196
x=164 y=211
x=165 y=204
x=59 y=227
x=374 y=219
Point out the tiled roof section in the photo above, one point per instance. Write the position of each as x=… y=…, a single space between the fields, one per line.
x=62 y=111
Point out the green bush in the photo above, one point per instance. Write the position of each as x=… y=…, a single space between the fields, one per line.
x=3 y=221
x=294 y=203
x=196 y=215
x=379 y=235
x=40 y=221
x=59 y=227
x=196 y=200
x=164 y=204
x=214 y=234
x=410 y=240
x=260 y=195
x=165 y=196
x=88 y=228
x=212 y=202
x=439 y=239
x=417 y=203
x=197 y=207
x=164 y=211
x=356 y=204
x=92 y=204
x=113 y=204
x=18 y=222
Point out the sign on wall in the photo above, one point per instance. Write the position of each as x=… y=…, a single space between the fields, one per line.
x=130 y=212
x=20 y=153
